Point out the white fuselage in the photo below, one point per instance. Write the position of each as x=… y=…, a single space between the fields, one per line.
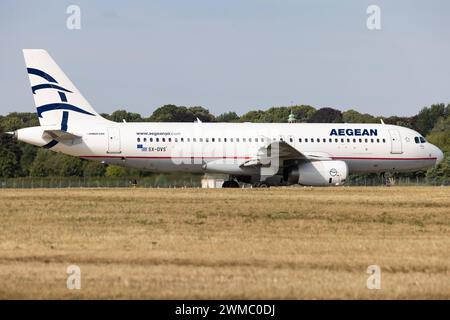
x=168 y=147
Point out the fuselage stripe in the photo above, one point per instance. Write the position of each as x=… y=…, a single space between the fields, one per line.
x=239 y=157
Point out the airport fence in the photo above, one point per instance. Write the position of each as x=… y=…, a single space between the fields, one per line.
x=183 y=181
x=147 y=182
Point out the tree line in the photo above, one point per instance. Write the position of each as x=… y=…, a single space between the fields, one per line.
x=18 y=159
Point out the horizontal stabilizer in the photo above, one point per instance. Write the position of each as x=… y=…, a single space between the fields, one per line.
x=59 y=135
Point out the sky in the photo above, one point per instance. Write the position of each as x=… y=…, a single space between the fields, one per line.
x=234 y=55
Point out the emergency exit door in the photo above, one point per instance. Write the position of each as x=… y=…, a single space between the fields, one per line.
x=396 y=141
x=114 y=140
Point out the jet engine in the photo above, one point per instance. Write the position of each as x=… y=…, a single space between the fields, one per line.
x=317 y=173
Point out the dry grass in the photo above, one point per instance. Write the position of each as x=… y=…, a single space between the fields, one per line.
x=280 y=243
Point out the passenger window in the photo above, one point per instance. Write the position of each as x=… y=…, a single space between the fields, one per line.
x=243 y=139
x=224 y=139
x=318 y=140
x=366 y=140
x=163 y=139
x=299 y=139
x=336 y=140
x=306 y=139
x=151 y=139
x=324 y=140
x=348 y=140
x=200 y=139
x=354 y=140
x=384 y=140
x=342 y=140
x=176 y=139
x=249 y=139
x=138 y=139
x=207 y=140
x=371 y=140
x=157 y=139
x=360 y=140
x=231 y=139
x=170 y=139
x=256 y=139
x=237 y=139
x=378 y=140
x=194 y=139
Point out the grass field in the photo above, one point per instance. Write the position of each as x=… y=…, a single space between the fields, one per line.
x=252 y=243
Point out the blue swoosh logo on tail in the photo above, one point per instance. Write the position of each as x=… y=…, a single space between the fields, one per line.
x=41 y=74
x=48 y=86
x=60 y=106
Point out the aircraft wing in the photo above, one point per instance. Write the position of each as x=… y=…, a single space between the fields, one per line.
x=283 y=151
x=59 y=135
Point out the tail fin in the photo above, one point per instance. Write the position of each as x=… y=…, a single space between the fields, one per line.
x=58 y=101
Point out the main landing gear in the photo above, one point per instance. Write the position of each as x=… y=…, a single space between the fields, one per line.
x=230 y=184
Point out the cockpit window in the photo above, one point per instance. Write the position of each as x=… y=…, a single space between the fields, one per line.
x=420 y=139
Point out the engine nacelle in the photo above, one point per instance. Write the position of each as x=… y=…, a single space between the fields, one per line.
x=318 y=173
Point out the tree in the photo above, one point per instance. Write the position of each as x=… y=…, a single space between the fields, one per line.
x=427 y=117
x=326 y=115
x=8 y=163
x=94 y=169
x=42 y=166
x=353 y=116
x=120 y=115
x=116 y=171
x=252 y=116
x=228 y=117
x=68 y=166
x=173 y=113
x=303 y=113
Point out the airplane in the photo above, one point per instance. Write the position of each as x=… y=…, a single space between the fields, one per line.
x=262 y=154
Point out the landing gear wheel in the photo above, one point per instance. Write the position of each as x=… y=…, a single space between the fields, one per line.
x=230 y=184
x=260 y=185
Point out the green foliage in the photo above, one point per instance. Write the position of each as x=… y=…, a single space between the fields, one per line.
x=427 y=117
x=440 y=174
x=303 y=112
x=228 y=117
x=173 y=113
x=117 y=172
x=353 y=116
x=94 y=169
x=120 y=115
x=326 y=115
x=8 y=163
x=252 y=116
x=19 y=159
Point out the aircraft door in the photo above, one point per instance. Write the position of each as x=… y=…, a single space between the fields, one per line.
x=396 y=141
x=114 y=140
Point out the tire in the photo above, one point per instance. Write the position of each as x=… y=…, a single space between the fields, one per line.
x=230 y=184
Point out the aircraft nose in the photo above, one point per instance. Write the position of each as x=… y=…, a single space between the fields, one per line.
x=439 y=155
